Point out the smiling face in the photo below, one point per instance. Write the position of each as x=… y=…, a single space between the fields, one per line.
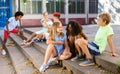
x=45 y=15
x=59 y=29
x=19 y=17
x=70 y=27
x=104 y=19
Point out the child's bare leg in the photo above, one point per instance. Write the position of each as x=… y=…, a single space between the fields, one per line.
x=83 y=44
x=3 y=43
x=28 y=43
x=78 y=49
x=64 y=56
x=72 y=45
x=71 y=40
x=31 y=37
x=39 y=36
x=49 y=52
x=22 y=35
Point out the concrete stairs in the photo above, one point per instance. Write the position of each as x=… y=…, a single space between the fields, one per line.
x=71 y=66
x=27 y=60
x=36 y=57
x=21 y=64
x=6 y=65
x=104 y=61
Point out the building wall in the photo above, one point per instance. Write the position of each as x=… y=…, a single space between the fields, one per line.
x=83 y=11
x=112 y=7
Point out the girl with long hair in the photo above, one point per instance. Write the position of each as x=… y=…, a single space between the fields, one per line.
x=57 y=47
x=74 y=32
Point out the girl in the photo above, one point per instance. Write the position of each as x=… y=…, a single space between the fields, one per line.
x=46 y=23
x=74 y=32
x=57 y=47
x=56 y=17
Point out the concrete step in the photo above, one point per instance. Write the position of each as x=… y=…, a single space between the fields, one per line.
x=105 y=60
x=21 y=64
x=36 y=57
x=6 y=65
x=41 y=46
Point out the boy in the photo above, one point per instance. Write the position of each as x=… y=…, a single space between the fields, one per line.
x=97 y=47
x=12 y=26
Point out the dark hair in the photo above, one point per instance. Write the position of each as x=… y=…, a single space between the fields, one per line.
x=76 y=29
x=18 y=13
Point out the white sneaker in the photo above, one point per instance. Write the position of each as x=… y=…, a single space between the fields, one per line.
x=43 y=67
x=3 y=52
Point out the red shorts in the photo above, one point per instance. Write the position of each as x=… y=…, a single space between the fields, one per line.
x=6 y=33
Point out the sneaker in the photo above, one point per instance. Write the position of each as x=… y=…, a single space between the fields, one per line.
x=78 y=57
x=88 y=62
x=75 y=58
x=82 y=57
x=43 y=67
x=37 y=40
x=50 y=61
x=3 y=52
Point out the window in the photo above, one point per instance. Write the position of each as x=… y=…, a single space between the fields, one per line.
x=31 y=6
x=93 y=6
x=76 y=6
x=55 y=6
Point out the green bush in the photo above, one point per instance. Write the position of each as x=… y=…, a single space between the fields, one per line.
x=24 y=1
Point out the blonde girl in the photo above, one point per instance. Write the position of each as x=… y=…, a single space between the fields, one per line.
x=57 y=47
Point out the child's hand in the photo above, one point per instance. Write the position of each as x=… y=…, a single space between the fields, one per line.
x=114 y=54
x=8 y=32
x=59 y=42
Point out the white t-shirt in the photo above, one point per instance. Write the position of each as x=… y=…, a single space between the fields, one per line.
x=13 y=23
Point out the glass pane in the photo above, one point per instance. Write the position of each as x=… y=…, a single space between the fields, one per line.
x=34 y=4
x=25 y=7
x=39 y=6
x=50 y=6
x=81 y=6
x=72 y=6
x=55 y=5
x=93 y=6
x=60 y=4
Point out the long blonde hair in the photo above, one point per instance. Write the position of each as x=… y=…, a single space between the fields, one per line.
x=53 y=31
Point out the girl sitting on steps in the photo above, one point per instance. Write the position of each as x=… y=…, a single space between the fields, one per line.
x=57 y=47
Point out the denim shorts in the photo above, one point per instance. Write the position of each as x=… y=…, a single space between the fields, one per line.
x=59 y=50
x=93 y=49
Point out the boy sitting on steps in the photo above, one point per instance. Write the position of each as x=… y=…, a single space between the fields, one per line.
x=97 y=47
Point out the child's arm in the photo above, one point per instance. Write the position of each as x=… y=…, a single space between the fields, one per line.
x=110 y=42
x=7 y=27
x=50 y=41
x=66 y=45
x=19 y=26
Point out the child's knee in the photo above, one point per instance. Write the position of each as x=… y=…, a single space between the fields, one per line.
x=78 y=42
x=51 y=46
